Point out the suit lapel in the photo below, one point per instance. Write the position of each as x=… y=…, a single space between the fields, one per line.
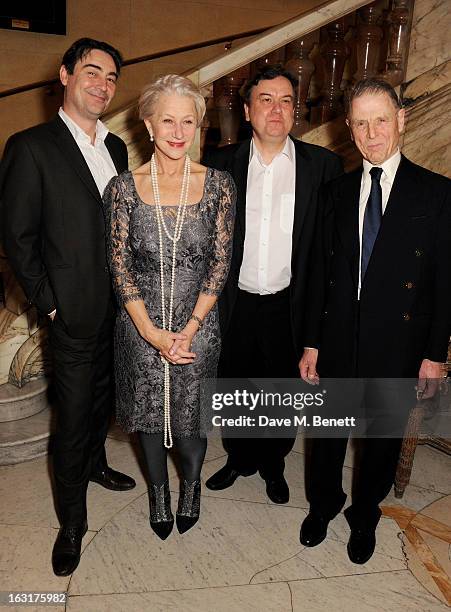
x=303 y=190
x=239 y=172
x=347 y=220
x=72 y=153
x=114 y=152
x=403 y=200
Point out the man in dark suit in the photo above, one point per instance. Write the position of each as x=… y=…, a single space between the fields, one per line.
x=380 y=308
x=278 y=180
x=51 y=180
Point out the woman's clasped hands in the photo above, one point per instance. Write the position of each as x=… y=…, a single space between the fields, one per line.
x=173 y=346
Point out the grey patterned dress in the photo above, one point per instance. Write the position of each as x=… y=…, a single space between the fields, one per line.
x=202 y=265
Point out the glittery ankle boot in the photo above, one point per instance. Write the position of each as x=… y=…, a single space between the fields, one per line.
x=161 y=517
x=189 y=505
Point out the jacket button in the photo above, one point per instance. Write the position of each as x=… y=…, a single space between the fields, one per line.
x=331 y=283
x=408 y=285
x=406 y=316
x=418 y=253
x=332 y=253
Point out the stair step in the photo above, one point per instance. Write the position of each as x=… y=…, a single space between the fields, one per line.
x=22 y=403
x=26 y=439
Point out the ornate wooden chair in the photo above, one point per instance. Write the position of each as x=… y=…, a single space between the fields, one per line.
x=412 y=437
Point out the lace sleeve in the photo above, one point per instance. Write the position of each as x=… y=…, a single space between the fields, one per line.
x=120 y=256
x=221 y=254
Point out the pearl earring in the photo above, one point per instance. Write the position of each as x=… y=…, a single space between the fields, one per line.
x=151 y=136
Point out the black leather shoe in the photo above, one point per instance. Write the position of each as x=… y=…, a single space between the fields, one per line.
x=361 y=545
x=115 y=481
x=277 y=490
x=313 y=530
x=66 y=550
x=224 y=478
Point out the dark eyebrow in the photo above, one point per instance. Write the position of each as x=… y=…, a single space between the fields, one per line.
x=262 y=93
x=100 y=68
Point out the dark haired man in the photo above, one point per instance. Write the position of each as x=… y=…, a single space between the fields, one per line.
x=80 y=49
x=380 y=308
x=261 y=307
x=52 y=178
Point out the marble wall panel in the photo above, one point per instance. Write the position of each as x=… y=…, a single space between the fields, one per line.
x=429 y=37
x=428 y=132
x=429 y=82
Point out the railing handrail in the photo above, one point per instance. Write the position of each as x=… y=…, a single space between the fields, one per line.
x=275 y=37
x=143 y=58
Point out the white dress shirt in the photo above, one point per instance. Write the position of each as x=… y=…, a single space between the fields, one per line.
x=389 y=169
x=96 y=155
x=270 y=196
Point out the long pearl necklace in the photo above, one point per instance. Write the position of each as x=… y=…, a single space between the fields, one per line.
x=174 y=238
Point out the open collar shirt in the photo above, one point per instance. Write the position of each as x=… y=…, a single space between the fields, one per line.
x=270 y=198
x=96 y=155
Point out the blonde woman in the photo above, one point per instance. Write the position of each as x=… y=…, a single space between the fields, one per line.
x=171 y=224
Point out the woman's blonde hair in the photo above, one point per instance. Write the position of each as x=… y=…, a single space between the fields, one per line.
x=166 y=85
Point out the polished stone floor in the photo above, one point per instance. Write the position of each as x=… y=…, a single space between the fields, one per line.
x=244 y=553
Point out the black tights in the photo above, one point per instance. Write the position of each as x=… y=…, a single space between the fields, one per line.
x=190 y=450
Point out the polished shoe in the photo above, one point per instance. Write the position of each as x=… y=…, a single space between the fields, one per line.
x=277 y=490
x=224 y=478
x=66 y=550
x=313 y=529
x=361 y=545
x=161 y=517
x=188 y=509
x=115 y=481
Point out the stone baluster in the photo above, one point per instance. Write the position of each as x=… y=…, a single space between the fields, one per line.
x=351 y=40
x=398 y=41
x=274 y=57
x=369 y=37
x=383 y=51
x=301 y=67
x=334 y=53
x=226 y=93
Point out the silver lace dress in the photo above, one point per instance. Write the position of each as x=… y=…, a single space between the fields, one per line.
x=202 y=265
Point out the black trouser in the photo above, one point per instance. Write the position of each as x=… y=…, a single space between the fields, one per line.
x=259 y=344
x=385 y=408
x=82 y=383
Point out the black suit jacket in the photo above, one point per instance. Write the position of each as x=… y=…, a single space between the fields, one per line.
x=53 y=228
x=404 y=313
x=314 y=167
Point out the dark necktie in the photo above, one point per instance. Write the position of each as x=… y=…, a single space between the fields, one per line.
x=372 y=219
